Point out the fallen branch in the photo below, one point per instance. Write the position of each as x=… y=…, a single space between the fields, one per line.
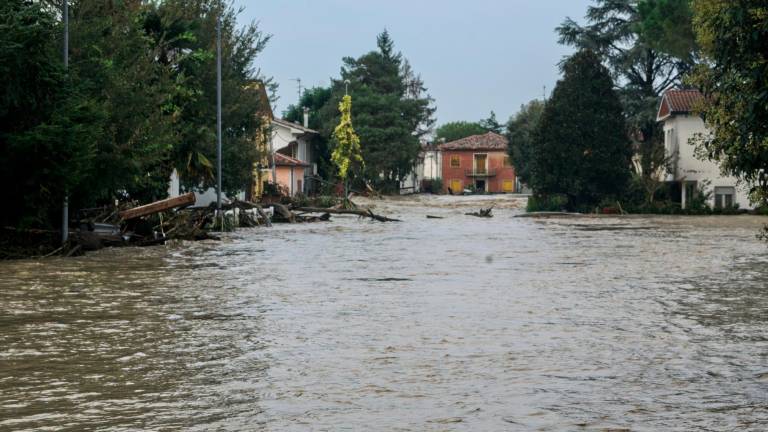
x=434 y=217
x=484 y=213
x=158 y=206
x=358 y=212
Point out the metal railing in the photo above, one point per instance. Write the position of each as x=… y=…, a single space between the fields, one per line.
x=480 y=173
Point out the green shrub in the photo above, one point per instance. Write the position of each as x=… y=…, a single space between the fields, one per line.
x=541 y=203
x=433 y=186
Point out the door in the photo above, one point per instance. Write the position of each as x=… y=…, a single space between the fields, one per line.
x=456 y=186
x=508 y=186
x=480 y=161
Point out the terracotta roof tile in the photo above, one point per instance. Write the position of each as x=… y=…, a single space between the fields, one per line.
x=283 y=160
x=488 y=141
x=678 y=102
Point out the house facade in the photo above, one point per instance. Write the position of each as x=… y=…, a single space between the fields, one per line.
x=289 y=174
x=294 y=141
x=688 y=174
x=477 y=163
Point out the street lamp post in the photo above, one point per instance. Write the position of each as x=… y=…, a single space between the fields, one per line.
x=65 y=206
x=218 y=115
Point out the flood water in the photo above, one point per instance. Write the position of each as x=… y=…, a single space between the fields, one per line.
x=461 y=323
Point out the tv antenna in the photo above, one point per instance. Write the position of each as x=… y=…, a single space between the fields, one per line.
x=298 y=83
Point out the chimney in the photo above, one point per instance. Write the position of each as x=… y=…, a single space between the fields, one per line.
x=306 y=117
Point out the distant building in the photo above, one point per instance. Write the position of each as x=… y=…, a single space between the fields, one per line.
x=688 y=173
x=427 y=167
x=478 y=162
x=289 y=173
x=295 y=141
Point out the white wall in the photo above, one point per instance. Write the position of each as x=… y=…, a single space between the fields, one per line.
x=679 y=131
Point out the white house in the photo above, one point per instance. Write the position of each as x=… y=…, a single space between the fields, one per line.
x=428 y=167
x=295 y=141
x=681 y=127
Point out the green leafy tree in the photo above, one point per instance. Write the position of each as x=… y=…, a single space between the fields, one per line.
x=453 y=131
x=184 y=35
x=631 y=38
x=520 y=133
x=47 y=126
x=667 y=26
x=734 y=80
x=581 y=149
x=392 y=112
x=491 y=124
x=346 y=152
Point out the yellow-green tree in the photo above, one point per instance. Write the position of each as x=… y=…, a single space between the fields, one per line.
x=347 y=150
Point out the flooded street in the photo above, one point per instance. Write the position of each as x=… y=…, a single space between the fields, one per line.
x=461 y=323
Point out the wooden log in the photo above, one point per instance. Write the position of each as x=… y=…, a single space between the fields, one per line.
x=284 y=212
x=158 y=206
x=434 y=217
x=358 y=212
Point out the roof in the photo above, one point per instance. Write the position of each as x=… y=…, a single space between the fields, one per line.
x=678 y=102
x=283 y=160
x=487 y=141
x=289 y=124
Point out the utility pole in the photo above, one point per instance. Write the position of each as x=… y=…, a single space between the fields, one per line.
x=218 y=116
x=65 y=206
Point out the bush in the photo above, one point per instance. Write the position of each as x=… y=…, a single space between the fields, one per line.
x=433 y=186
x=540 y=203
x=326 y=201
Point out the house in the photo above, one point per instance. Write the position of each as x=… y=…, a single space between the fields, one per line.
x=289 y=174
x=427 y=167
x=478 y=162
x=295 y=142
x=688 y=174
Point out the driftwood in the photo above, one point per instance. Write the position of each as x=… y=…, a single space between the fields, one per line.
x=159 y=206
x=434 y=217
x=358 y=212
x=484 y=213
x=283 y=212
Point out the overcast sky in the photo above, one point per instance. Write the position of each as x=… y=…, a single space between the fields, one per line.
x=474 y=56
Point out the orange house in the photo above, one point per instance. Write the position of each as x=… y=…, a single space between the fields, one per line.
x=478 y=162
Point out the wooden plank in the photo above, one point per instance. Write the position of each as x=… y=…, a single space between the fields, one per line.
x=159 y=206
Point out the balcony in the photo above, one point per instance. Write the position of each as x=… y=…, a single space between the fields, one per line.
x=480 y=173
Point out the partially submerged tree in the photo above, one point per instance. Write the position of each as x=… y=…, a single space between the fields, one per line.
x=520 y=133
x=346 y=152
x=636 y=40
x=580 y=148
x=392 y=112
x=734 y=80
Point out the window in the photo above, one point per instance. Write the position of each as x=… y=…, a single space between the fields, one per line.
x=455 y=162
x=507 y=162
x=724 y=197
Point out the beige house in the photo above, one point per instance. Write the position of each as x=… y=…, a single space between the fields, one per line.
x=688 y=173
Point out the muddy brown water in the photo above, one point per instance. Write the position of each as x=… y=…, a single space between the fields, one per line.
x=642 y=324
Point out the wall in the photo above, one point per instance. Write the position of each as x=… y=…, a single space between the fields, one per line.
x=495 y=163
x=290 y=183
x=678 y=131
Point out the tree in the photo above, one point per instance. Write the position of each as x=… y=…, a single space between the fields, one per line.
x=346 y=152
x=581 y=148
x=47 y=127
x=734 y=80
x=491 y=124
x=667 y=26
x=453 y=131
x=392 y=112
x=184 y=35
x=520 y=133
x=633 y=39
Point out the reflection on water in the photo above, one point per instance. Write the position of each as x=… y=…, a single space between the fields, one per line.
x=431 y=324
